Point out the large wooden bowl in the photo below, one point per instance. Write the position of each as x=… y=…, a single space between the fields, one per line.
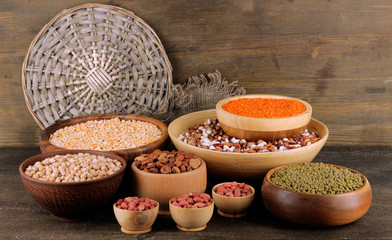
x=69 y=201
x=323 y=210
x=251 y=128
x=163 y=187
x=127 y=154
x=244 y=165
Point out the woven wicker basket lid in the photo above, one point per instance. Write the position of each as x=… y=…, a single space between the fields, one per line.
x=94 y=59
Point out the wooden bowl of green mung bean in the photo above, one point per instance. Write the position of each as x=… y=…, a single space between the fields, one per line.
x=316 y=194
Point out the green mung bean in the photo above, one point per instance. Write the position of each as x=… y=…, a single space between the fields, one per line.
x=317 y=178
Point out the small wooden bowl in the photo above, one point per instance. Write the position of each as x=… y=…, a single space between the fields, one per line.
x=136 y=222
x=191 y=219
x=251 y=128
x=70 y=201
x=324 y=210
x=127 y=154
x=163 y=187
x=230 y=165
x=232 y=207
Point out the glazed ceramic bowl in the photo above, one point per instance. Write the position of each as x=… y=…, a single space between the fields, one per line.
x=323 y=210
x=229 y=165
x=127 y=154
x=191 y=219
x=251 y=128
x=163 y=187
x=136 y=222
x=69 y=201
x=232 y=207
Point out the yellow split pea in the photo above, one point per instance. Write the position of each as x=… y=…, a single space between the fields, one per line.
x=106 y=135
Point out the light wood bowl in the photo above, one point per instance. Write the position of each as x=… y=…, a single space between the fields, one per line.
x=136 y=222
x=163 y=187
x=191 y=219
x=72 y=201
x=251 y=128
x=232 y=207
x=128 y=154
x=323 y=210
x=230 y=165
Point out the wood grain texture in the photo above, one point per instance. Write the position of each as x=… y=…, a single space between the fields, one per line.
x=334 y=54
x=22 y=218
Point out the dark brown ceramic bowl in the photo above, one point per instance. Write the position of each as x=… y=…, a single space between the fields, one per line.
x=74 y=200
x=127 y=154
x=324 y=210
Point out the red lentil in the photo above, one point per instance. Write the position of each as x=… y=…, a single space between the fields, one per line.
x=264 y=107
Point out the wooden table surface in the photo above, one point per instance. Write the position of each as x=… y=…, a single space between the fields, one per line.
x=22 y=218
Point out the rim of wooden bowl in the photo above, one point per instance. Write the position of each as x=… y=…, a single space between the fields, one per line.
x=304 y=148
x=172 y=175
x=220 y=104
x=30 y=161
x=226 y=197
x=45 y=134
x=365 y=181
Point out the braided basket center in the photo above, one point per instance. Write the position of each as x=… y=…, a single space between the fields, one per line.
x=99 y=80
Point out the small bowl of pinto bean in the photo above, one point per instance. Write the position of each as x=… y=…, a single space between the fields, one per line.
x=136 y=215
x=72 y=184
x=162 y=175
x=127 y=135
x=192 y=212
x=232 y=198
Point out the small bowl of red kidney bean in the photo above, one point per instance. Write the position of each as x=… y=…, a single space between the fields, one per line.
x=136 y=215
x=192 y=212
x=232 y=198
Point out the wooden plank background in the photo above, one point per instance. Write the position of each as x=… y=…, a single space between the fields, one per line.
x=335 y=54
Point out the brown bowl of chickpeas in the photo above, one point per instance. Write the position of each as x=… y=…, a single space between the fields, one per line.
x=127 y=135
x=72 y=184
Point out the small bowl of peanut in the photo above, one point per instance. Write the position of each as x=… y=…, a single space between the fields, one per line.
x=136 y=215
x=232 y=198
x=162 y=175
x=192 y=212
x=72 y=184
x=127 y=135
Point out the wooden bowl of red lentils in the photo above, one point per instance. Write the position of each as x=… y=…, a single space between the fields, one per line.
x=127 y=135
x=72 y=184
x=229 y=157
x=262 y=116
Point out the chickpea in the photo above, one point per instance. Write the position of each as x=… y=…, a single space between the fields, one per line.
x=83 y=167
